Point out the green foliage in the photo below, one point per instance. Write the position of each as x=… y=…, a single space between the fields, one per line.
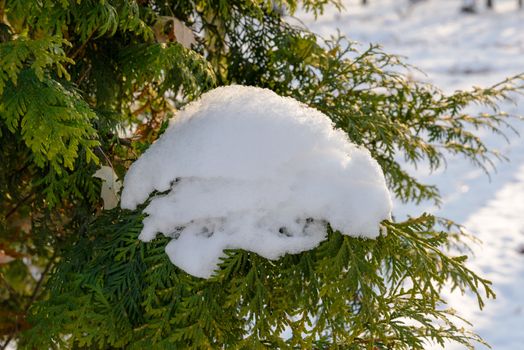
x=91 y=82
x=167 y=67
x=39 y=54
x=134 y=297
x=367 y=95
x=54 y=122
x=83 y=19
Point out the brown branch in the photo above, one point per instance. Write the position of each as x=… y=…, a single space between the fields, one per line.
x=77 y=51
x=124 y=141
x=10 y=289
x=15 y=208
x=33 y=296
x=83 y=75
x=139 y=110
x=40 y=281
x=22 y=169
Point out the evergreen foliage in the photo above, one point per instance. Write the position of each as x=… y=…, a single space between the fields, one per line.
x=75 y=76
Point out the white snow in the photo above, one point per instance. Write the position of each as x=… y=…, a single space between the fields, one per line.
x=247 y=169
x=459 y=51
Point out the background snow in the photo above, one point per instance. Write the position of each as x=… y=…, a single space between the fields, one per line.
x=458 y=51
x=249 y=169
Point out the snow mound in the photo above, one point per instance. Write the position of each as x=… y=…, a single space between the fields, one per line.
x=248 y=169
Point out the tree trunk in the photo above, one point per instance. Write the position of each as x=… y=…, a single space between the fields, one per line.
x=489 y=3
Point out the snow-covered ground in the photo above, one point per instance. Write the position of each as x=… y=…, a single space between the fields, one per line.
x=458 y=51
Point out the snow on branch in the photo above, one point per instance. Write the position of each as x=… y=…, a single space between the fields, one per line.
x=248 y=169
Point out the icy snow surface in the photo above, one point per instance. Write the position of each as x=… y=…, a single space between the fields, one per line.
x=458 y=51
x=246 y=168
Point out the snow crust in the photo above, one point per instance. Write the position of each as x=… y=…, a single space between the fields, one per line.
x=244 y=168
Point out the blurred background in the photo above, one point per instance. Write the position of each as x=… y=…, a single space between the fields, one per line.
x=458 y=45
